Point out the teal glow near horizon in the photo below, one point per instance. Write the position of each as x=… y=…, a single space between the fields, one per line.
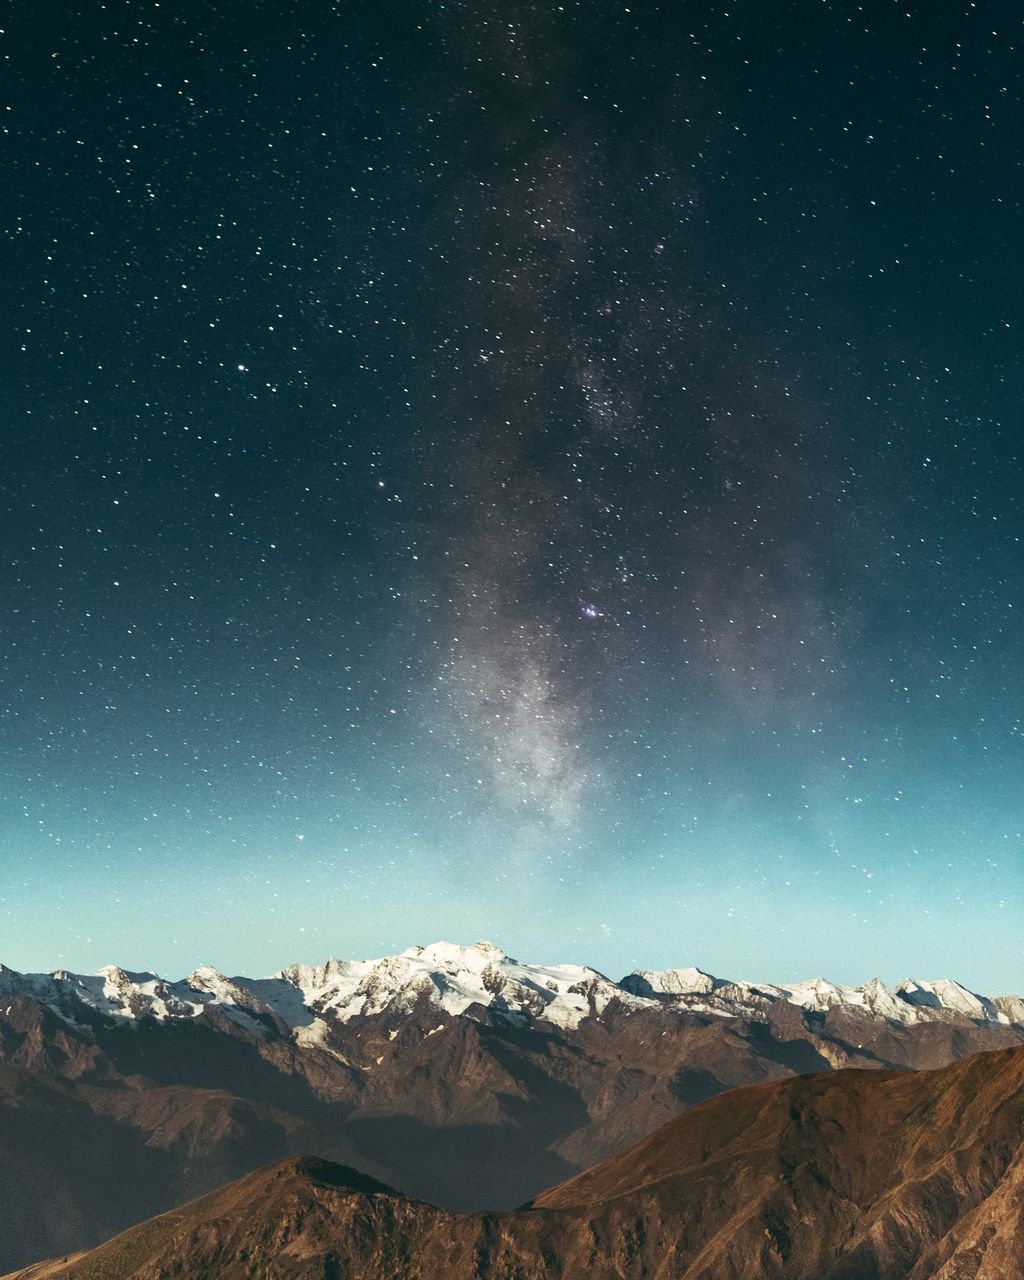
x=743 y=886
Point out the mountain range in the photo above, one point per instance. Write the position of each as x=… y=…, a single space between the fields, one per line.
x=307 y=999
x=454 y=1074
x=851 y=1175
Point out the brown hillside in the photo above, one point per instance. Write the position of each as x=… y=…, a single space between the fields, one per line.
x=850 y=1175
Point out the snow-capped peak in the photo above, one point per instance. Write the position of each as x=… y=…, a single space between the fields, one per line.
x=206 y=978
x=455 y=978
x=671 y=982
x=944 y=993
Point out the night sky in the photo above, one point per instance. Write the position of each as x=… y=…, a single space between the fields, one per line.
x=544 y=472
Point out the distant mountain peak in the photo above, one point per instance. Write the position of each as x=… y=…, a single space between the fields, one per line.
x=449 y=953
x=685 y=981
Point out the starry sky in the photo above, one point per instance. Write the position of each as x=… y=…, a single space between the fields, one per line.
x=545 y=472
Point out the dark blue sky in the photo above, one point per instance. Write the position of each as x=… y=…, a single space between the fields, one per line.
x=545 y=472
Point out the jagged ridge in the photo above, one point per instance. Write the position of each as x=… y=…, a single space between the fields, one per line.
x=464 y=979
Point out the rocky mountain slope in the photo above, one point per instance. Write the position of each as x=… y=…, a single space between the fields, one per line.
x=850 y=1175
x=452 y=1073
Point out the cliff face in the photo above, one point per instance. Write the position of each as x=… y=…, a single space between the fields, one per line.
x=851 y=1175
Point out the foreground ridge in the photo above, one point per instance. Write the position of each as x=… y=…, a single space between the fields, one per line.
x=838 y=1176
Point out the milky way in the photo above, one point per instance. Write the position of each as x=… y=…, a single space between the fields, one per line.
x=541 y=471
